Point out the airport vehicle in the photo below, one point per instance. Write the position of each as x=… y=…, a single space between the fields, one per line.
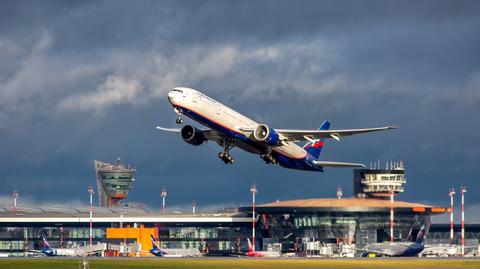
x=396 y=249
x=230 y=129
x=172 y=252
x=253 y=253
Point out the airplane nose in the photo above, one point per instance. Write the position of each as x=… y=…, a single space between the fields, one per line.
x=171 y=95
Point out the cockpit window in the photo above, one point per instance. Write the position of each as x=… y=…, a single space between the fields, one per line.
x=176 y=90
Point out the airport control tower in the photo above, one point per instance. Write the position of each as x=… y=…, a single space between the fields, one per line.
x=114 y=181
x=376 y=182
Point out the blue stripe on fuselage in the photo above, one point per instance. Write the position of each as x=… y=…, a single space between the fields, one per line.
x=285 y=161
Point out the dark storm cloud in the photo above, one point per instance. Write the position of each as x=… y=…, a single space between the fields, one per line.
x=87 y=80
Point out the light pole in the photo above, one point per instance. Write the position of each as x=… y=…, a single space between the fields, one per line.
x=463 y=190
x=451 y=194
x=391 y=215
x=194 y=205
x=15 y=196
x=164 y=197
x=90 y=191
x=253 y=190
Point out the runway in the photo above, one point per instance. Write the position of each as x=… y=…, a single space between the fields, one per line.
x=240 y=262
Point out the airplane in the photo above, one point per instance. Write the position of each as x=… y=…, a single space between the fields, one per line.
x=172 y=252
x=155 y=250
x=230 y=129
x=253 y=253
x=48 y=251
x=396 y=249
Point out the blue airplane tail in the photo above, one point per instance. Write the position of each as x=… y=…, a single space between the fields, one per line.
x=315 y=148
x=46 y=245
x=154 y=245
x=420 y=235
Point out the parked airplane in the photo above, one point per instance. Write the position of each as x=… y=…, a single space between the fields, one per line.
x=78 y=251
x=47 y=250
x=173 y=252
x=229 y=128
x=253 y=253
x=155 y=249
x=396 y=248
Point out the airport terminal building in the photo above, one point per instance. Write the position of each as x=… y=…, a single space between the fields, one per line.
x=286 y=226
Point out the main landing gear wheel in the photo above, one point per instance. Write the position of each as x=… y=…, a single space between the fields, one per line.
x=225 y=156
x=268 y=157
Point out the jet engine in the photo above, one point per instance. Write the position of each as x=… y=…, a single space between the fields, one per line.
x=266 y=134
x=192 y=135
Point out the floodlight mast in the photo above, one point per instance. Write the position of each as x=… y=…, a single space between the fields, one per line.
x=253 y=190
x=91 y=192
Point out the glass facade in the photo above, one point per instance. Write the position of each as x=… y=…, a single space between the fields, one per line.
x=215 y=240
x=286 y=229
x=360 y=228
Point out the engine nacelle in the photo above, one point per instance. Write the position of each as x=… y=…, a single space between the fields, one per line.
x=192 y=135
x=265 y=134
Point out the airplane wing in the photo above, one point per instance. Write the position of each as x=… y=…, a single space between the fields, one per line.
x=337 y=164
x=173 y=130
x=303 y=135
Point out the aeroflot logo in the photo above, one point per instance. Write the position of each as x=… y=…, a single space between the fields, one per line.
x=317 y=144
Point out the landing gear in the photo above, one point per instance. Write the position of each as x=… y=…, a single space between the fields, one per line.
x=179 y=113
x=268 y=157
x=225 y=156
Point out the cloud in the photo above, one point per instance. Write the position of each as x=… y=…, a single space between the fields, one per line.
x=70 y=72
x=28 y=80
x=115 y=91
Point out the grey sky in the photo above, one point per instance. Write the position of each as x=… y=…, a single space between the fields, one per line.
x=87 y=80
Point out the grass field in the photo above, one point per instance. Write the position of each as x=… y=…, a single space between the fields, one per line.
x=53 y=263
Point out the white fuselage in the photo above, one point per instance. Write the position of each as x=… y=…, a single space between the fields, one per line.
x=215 y=115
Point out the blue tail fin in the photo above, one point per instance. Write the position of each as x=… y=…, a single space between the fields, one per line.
x=420 y=235
x=154 y=245
x=315 y=148
x=46 y=245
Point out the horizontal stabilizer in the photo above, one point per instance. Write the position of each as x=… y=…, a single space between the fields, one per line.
x=337 y=164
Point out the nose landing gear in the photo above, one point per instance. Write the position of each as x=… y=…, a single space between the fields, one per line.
x=179 y=119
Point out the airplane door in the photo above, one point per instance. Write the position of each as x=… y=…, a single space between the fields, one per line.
x=219 y=109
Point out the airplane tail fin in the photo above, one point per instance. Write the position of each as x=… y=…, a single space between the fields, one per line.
x=315 y=147
x=250 y=247
x=46 y=245
x=154 y=243
x=420 y=235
